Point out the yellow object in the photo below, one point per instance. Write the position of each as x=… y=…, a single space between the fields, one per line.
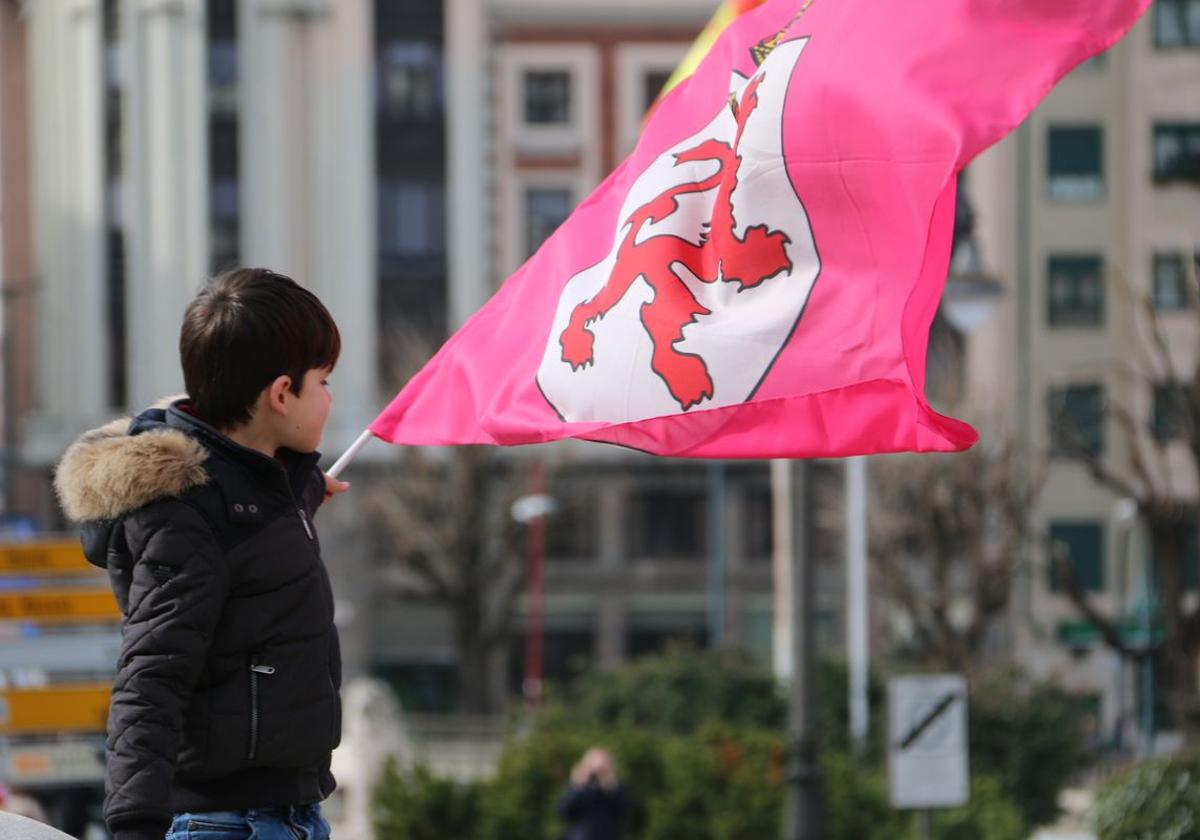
x=727 y=13
x=44 y=557
x=59 y=606
x=68 y=708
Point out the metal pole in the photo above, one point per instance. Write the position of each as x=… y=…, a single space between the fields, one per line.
x=1124 y=515
x=781 y=570
x=857 y=643
x=1148 y=607
x=716 y=553
x=535 y=592
x=803 y=818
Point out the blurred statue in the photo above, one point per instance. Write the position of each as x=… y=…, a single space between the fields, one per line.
x=372 y=731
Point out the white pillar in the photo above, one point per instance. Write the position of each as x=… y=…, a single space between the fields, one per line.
x=342 y=228
x=783 y=560
x=276 y=144
x=66 y=101
x=857 y=617
x=166 y=184
x=308 y=174
x=468 y=233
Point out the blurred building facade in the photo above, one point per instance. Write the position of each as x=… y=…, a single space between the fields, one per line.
x=1089 y=209
x=149 y=143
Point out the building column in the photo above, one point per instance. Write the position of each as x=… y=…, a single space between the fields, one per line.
x=66 y=104
x=16 y=242
x=613 y=602
x=165 y=184
x=308 y=174
x=610 y=629
x=468 y=177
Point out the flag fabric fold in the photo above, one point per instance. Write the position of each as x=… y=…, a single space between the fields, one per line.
x=759 y=277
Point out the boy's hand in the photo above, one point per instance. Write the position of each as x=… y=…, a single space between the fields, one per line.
x=333 y=486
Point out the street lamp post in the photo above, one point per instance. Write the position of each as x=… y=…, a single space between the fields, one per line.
x=1124 y=515
x=531 y=510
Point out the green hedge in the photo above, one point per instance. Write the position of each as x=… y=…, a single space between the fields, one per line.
x=719 y=783
x=1157 y=800
x=699 y=742
x=419 y=806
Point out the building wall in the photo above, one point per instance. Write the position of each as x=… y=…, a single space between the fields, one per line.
x=1124 y=94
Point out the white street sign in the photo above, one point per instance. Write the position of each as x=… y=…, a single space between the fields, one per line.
x=60 y=762
x=927 y=741
x=75 y=652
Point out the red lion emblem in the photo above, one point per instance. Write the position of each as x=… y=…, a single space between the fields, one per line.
x=720 y=255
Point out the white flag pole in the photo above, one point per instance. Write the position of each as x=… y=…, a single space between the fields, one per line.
x=348 y=455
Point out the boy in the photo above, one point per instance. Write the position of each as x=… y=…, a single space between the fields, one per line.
x=225 y=707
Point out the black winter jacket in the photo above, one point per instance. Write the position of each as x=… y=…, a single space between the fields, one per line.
x=226 y=694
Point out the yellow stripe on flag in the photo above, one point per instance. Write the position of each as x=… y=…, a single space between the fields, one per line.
x=726 y=14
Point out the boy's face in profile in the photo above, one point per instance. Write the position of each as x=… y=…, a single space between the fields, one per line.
x=308 y=412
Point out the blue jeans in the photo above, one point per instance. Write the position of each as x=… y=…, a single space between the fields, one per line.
x=304 y=822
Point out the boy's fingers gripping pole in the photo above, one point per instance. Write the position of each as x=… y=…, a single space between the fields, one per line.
x=349 y=454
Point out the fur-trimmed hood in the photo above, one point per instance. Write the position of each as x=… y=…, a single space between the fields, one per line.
x=127 y=464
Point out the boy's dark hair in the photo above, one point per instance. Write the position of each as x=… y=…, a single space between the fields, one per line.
x=247 y=327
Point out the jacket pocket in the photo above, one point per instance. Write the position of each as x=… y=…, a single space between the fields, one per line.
x=293 y=707
x=258 y=671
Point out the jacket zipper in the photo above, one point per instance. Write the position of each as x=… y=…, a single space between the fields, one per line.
x=304 y=522
x=299 y=510
x=255 y=670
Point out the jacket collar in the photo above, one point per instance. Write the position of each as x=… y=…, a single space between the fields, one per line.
x=296 y=466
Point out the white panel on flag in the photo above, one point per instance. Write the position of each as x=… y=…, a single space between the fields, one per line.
x=635 y=338
x=927 y=741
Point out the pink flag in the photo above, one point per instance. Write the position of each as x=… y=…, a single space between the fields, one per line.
x=758 y=278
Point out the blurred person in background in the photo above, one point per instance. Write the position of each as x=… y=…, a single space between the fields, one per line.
x=595 y=805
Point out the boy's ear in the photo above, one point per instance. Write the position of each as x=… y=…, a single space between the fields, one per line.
x=277 y=393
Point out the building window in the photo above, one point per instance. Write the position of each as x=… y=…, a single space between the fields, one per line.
x=654 y=633
x=571 y=529
x=756 y=524
x=1076 y=291
x=1177 y=152
x=1170 y=280
x=224 y=215
x=1076 y=171
x=1081 y=545
x=1184 y=535
x=670 y=523
x=410 y=84
x=547 y=97
x=1169 y=412
x=545 y=209
x=653 y=82
x=412 y=219
x=1077 y=420
x=410 y=158
x=1177 y=23
x=567 y=652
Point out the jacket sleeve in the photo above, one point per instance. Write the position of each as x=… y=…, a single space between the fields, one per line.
x=177 y=585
